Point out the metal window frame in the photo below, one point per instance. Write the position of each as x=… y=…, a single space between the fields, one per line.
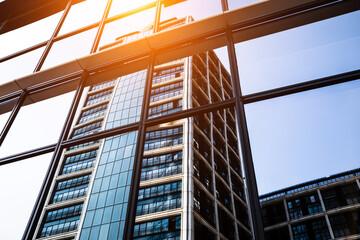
x=239 y=101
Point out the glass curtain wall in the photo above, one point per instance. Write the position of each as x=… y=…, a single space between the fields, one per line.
x=288 y=132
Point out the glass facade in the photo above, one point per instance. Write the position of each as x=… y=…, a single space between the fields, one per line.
x=172 y=102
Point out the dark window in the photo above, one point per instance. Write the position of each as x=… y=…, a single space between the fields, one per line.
x=226 y=224
x=79 y=162
x=202 y=232
x=167 y=229
x=61 y=220
x=345 y=224
x=71 y=188
x=313 y=229
x=161 y=166
x=168 y=74
x=88 y=129
x=278 y=234
x=93 y=113
x=204 y=205
x=304 y=205
x=223 y=194
x=273 y=213
x=163 y=138
x=166 y=108
x=202 y=173
x=341 y=196
x=98 y=97
x=159 y=198
x=166 y=91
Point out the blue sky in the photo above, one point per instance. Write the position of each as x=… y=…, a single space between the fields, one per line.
x=294 y=138
x=313 y=134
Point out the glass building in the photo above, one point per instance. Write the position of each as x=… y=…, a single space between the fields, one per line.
x=326 y=208
x=154 y=116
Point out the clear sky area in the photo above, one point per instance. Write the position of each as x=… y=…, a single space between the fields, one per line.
x=295 y=138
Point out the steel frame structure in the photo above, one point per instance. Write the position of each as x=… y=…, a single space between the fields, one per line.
x=80 y=79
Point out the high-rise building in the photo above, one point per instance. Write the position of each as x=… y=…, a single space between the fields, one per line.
x=151 y=134
x=190 y=183
x=325 y=208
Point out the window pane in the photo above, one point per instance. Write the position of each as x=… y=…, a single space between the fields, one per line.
x=113 y=31
x=20 y=183
x=197 y=9
x=20 y=66
x=305 y=53
x=5 y=111
x=305 y=136
x=28 y=35
x=70 y=48
x=83 y=14
x=37 y=125
x=121 y=6
x=240 y=3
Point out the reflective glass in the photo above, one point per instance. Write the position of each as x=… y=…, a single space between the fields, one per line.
x=36 y=125
x=70 y=48
x=300 y=54
x=305 y=136
x=83 y=14
x=240 y=3
x=121 y=6
x=197 y=9
x=20 y=183
x=113 y=31
x=20 y=66
x=5 y=111
x=29 y=35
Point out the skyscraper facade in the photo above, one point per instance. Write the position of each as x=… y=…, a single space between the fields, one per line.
x=151 y=133
x=190 y=180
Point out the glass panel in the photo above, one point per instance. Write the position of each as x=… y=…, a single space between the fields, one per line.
x=20 y=183
x=3 y=119
x=37 y=125
x=114 y=31
x=121 y=6
x=301 y=54
x=305 y=136
x=5 y=111
x=197 y=9
x=109 y=195
x=83 y=14
x=70 y=48
x=127 y=101
x=20 y=66
x=28 y=35
x=240 y=3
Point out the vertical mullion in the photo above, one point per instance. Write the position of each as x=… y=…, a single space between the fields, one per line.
x=243 y=134
x=12 y=117
x=51 y=41
x=101 y=27
x=135 y=180
x=40 y=202
x=157 y=16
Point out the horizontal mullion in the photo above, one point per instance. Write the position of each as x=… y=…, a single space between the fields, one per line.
x=301 y=87
x=101 y=135
x=27 y=154
x=190 y=112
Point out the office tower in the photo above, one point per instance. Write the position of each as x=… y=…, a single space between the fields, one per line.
x=190 y=183
x=325 y=208
x=155 y=142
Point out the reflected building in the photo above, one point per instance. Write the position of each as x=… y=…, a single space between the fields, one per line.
x=156 y=143
x=326 y=208
x=191 y=185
